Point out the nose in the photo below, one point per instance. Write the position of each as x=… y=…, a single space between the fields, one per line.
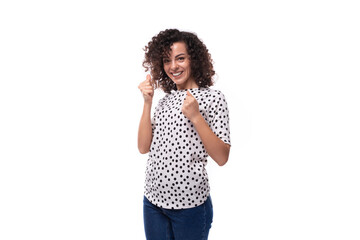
x=173 y=65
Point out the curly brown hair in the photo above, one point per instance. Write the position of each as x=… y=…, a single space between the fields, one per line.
x=160 y=46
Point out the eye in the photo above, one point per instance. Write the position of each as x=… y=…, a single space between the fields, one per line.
x=181 y=59
x=166 y=60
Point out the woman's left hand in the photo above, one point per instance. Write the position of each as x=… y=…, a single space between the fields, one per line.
x=190 y=107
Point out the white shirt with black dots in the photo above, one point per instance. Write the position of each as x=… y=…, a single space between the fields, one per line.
x=176 y=177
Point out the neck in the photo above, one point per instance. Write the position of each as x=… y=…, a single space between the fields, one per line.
x=187 y=85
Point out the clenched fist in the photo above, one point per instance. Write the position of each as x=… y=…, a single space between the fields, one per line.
x=190 y=107
x=147 y=89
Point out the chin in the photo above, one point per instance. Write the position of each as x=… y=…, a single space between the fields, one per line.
x=179 y=81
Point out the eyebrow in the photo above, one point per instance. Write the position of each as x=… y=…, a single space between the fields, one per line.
x=175 y=56
x=179 y=55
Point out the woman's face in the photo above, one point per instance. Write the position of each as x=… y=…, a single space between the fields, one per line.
x=177 y=66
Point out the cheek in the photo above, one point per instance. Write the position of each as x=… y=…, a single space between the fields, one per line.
x=188 y=67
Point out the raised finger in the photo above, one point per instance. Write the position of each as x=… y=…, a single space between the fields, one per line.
x=148 y=79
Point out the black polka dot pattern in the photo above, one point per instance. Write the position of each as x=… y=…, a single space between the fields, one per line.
x=176 y=177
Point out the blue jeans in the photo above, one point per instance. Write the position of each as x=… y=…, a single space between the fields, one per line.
x=172 y=224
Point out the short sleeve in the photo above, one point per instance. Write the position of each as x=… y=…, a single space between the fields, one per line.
x=153 y=122
x=219 y=117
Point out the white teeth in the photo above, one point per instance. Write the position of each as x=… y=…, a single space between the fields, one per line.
x=176 y=74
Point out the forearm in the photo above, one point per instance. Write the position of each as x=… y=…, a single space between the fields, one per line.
x=214 y=146
x=145 y=130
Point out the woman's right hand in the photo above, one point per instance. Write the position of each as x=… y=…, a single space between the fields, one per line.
x=147 y=89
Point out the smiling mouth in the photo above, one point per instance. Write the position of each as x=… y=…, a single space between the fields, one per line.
x=176 y=74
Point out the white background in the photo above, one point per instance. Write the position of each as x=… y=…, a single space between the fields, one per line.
x=70 y=109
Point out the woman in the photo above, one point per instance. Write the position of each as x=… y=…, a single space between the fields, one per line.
x=190 y=122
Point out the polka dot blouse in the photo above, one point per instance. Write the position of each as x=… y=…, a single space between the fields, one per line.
x=176 y=177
